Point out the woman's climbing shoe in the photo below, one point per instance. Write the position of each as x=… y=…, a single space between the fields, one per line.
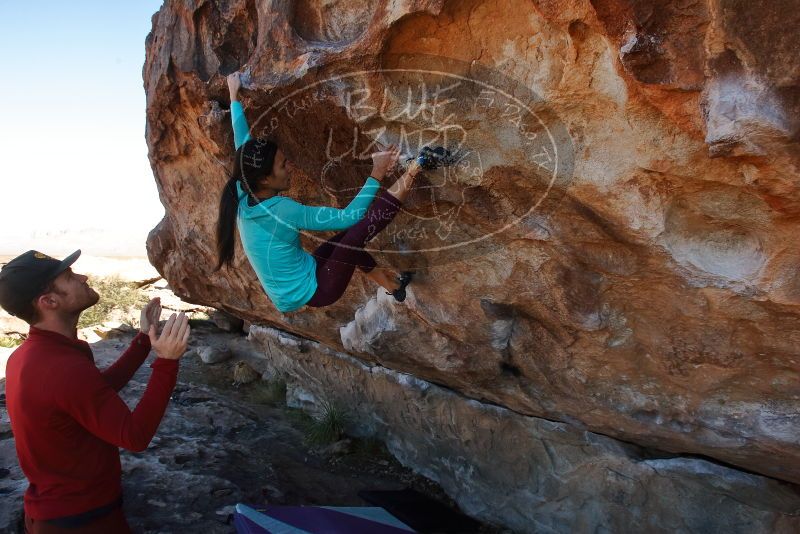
x=404 y=279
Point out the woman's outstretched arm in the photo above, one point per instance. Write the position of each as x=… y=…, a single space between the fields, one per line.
x=321 y=218
x=241 y=131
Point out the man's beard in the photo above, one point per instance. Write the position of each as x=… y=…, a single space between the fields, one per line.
x=92 y=298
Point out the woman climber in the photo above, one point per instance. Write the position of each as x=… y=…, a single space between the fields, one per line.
x=269 y=223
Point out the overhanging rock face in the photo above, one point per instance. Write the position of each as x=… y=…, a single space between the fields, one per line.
x=624 y=260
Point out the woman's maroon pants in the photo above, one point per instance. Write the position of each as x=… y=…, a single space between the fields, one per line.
x=338 y=257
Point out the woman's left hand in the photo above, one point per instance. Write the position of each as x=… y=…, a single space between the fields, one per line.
x=383 y=162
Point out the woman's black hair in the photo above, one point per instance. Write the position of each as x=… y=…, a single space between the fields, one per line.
x=253 y=161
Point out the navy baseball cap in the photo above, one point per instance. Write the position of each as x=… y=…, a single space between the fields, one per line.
x=25 y=277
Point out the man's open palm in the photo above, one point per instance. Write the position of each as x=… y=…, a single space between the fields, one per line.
x=171 y=344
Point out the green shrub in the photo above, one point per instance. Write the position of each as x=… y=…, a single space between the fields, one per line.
x=328 y=427
x=115 y=294
x=10 y=342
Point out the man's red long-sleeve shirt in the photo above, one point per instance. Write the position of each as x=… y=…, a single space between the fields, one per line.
x=68 y=421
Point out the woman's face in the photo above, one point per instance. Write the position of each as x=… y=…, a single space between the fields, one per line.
x=279 y=179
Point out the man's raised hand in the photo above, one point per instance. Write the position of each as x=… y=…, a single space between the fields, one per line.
x=151 y=314
x=171 y=344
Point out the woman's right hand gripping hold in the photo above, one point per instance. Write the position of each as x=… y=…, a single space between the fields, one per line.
x=234 y=84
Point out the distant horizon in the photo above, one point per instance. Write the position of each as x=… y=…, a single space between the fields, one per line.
x=6 y=257
x=93 y=241
x=65 y=242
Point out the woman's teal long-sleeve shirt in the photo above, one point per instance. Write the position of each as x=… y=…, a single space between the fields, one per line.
x=270 y=232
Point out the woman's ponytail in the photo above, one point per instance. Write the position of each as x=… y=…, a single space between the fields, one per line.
x=226 y=223
x=252 y=162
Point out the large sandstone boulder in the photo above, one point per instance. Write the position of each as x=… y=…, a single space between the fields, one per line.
x=625 y=261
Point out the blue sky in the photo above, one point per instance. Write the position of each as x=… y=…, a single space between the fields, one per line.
x=73 y=157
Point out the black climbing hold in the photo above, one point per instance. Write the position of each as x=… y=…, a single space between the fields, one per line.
x=431 y=159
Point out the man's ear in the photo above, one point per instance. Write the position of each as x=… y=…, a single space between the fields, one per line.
x=47 y=302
